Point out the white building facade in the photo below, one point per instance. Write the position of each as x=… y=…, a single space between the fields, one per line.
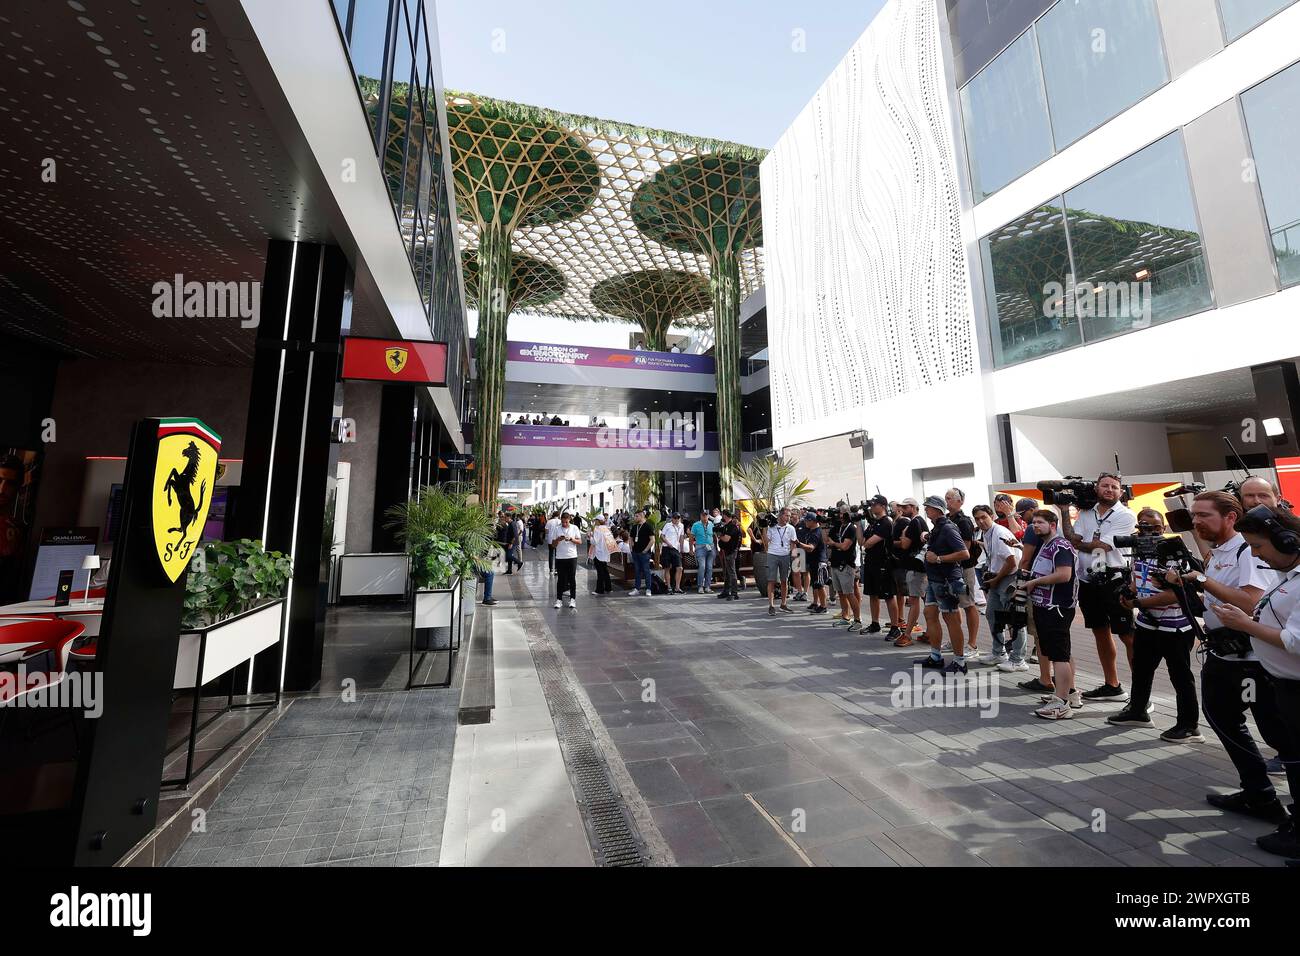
x=1011 y=241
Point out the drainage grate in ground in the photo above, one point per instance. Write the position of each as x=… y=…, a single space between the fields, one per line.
x=613 y=834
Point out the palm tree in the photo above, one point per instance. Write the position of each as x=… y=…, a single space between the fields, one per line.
x=453 y=511
x=771 y=485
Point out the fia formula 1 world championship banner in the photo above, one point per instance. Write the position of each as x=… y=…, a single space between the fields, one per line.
x=561 y=436
x=541 y=353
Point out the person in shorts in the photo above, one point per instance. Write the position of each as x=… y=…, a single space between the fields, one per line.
x=878 y=567
x=907 y=551
x=779 y=543
x=673 y=536
x=944 y=552
x=954 y=498
x=844 y=569
x=1053 y=594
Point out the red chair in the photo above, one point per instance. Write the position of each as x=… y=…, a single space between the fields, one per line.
x=18 y=641
x=35 y=637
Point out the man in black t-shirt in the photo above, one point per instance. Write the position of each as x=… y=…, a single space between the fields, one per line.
x=813 y=543
x=954 y=498
x=643 y=549
x=907 y=550
x=728 y=535
x=843 y=549
x=878 y=567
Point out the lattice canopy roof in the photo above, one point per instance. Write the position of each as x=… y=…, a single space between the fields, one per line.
x=605 y=240
x=533 y=283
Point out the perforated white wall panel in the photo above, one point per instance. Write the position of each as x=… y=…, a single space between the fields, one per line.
x=867 y=286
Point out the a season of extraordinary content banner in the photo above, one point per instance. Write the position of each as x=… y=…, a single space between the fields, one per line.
x=541 y=353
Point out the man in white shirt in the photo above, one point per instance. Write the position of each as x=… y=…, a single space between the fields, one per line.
x=779 y=544
x=1002 y=556
x=670 y=556
x=552 y=528
x=1093 y=536
x=601 y=545
x=1233 y=577
x=567 y=539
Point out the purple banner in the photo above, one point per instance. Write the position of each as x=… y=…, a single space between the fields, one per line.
x=542 y=353
x=561 y=436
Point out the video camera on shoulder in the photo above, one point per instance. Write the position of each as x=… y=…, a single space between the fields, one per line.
x=1076 y=491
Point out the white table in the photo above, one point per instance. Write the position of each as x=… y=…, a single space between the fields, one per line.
x=88 y=613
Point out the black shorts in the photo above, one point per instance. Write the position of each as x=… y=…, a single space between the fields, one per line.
x=1053 y=625
x=1102 y=609
x=670 y=558
x=878 y=582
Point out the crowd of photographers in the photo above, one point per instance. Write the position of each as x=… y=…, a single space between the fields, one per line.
x=1219 y=583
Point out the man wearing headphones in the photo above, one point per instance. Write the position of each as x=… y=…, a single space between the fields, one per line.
x=1274 y=629
x=1234 y=683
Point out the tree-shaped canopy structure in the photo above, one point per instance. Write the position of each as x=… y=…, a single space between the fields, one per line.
x=532 y=282
x=654 y=299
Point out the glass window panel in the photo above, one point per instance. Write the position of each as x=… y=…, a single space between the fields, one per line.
x=399 y=110
x=1005 y=115
x=1273 y=118
x=1026 y=269
x=1099 y=58
x=369 y=31
x=1242 y=16
x=341 y=11
x=1138 y=256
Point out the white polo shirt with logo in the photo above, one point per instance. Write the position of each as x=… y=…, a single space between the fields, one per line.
x=1232 y=565
x=779 y=538
x=673 y=534
x=1276 y=608
x=1089 y=524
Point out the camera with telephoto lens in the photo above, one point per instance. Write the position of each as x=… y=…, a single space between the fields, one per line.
x=1016 y=615
x=767 y=519
x=1076 y=491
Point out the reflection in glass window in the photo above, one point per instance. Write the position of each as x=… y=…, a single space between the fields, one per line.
x=369 y=31
x=1241 y=16
x=1005 y=113
x=1273 y=118
x=399 y=111
x=1026 y=269
x=1099 y=58
x=1138 y=257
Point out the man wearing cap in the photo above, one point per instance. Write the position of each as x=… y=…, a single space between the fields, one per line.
x=878 y=567
x=779 y=543
x=728 y=535
x=1030 y=542
x=909 y=541
x=813 y=543
x=844 y=568
x=701 y=540
x=670 y=557
x=944 y=586
x=954 y=498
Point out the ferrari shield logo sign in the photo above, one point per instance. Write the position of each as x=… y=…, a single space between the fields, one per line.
x=396 y=359
x=183 y=483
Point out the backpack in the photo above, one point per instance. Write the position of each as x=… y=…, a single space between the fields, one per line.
x=657 y=585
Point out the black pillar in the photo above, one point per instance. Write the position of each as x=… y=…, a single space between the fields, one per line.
x=289 y=459
x=393 y=460
x=1277 y=395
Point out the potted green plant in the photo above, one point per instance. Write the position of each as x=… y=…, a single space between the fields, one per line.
x=232 y=609
x=770 y=484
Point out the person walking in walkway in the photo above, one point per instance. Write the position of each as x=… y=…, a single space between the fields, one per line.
x=643 y=549
x=602 y=544
x=702 y=535
x=552 y=527
x=566 y=541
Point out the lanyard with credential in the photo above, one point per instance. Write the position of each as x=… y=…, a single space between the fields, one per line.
x=1264 y=602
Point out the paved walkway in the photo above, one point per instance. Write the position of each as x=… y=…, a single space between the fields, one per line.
x=510 y=801
x=778 y=742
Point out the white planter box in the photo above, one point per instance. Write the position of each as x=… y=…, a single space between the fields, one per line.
x=228 y=644
x=437 y=608
x=373 y=575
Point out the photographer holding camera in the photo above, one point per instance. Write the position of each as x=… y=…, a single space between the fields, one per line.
x=1274 y=630
x=944 y=586
x=908 y=541
x=1232 y=579
x=878 y=567
x=1093 y=536
x=1052 y=589
x=1164 y=632
x=844 y=567
x=999 y=588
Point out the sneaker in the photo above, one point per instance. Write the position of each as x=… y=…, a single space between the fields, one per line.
x=489 y=602
x=973 y=657
x=573 y=602
x=872 y=628
x=1284 y=841
x=787 y=609
x=955 y=667
x=918 y=629
x=903 y=641
x=1054 y=709
x=821 y=608
x=1269 y=808
x=930 y=662
x=1183 y=735
x=734 y=597
x=1276 y=767
x=1011 y=667
x=800 y=596
x=723 y=595
x=1129 y=718
x=1036 y=685
x=634 y=592
x=1032 y=658
x=771 y=611
x=812 y=608
x=558 y=603
x=894 y=633
x=1106 y=692
x=995 y=659
x=1075 y=700
x=852 y=628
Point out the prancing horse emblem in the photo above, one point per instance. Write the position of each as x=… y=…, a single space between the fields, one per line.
x=396 y=359
x=185 y=480
x=182 y=483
